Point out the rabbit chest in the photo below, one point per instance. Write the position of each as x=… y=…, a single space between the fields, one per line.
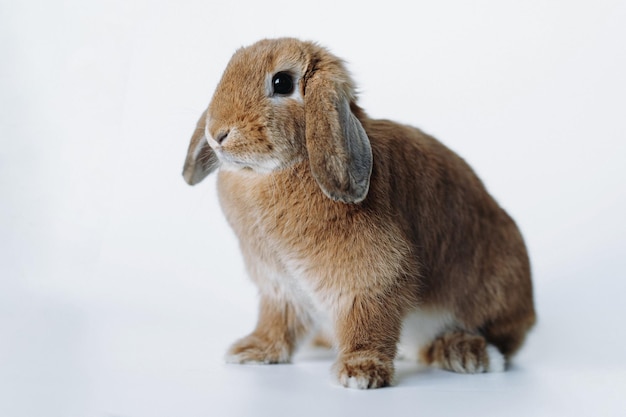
x=299 y=244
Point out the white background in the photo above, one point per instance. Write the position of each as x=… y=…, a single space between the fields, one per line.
x=121 y=287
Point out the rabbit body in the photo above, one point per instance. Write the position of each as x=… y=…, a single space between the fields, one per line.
x=403 y=246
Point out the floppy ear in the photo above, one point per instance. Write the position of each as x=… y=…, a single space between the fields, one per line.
x=339 y=150
x=201 y=160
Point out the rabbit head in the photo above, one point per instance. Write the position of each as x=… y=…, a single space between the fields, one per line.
x=281 y=102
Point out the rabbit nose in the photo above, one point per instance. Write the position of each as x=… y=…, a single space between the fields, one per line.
x=219 y=138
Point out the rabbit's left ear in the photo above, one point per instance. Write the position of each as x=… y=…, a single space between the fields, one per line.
x=201 y=160
x=339 y=150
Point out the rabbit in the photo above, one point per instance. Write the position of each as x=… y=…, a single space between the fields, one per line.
x=369 y=231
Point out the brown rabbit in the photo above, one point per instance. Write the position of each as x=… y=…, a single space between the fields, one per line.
x=370 y=230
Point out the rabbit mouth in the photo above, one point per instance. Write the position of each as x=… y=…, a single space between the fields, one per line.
x=260 y=165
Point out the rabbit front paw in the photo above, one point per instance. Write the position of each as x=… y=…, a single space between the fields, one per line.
x=254 y=349
x=363 y=371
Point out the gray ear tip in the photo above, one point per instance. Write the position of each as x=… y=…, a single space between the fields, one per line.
x=190 y=177
x=354 y=196
x=348 y=199
x=188 y=181
x=360 y=195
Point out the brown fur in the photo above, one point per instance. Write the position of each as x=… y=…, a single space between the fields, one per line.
x=363 y=228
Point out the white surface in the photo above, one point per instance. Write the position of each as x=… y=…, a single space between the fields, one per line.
x=121 y=287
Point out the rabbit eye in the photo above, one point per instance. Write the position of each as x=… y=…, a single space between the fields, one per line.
x=282 y=83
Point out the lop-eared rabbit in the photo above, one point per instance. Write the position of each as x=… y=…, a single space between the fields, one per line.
x=370 y=233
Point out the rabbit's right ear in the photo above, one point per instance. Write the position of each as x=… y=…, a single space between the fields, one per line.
x=201 y=160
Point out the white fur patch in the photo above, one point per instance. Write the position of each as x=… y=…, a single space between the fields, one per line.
x=298 y=283
x=354 y=382
x=258 y=166
x=420 y=327
x=281 y=284
x=289 y=284
x=497 y=363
